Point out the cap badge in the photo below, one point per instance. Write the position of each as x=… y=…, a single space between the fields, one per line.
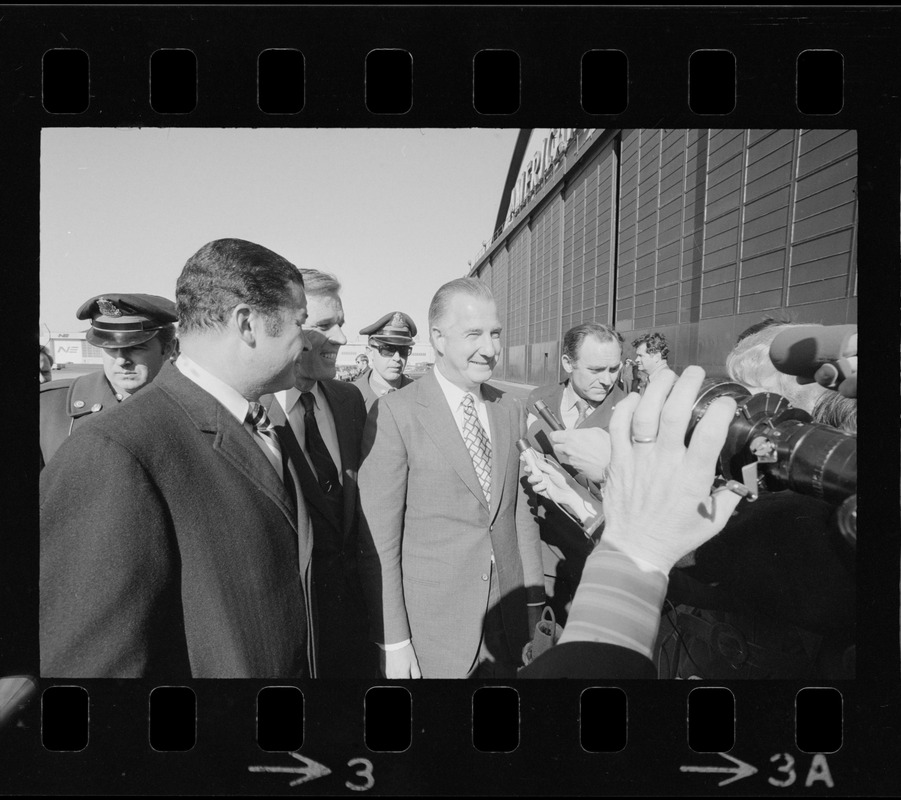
x=108 y=307
x=398 y=321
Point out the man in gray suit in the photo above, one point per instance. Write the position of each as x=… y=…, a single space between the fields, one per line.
x=451 y=561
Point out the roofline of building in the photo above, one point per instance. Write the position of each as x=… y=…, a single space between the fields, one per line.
x=602 y=137
x=519 y=152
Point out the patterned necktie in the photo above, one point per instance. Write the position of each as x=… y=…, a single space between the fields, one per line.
x=478 y=444
x=584 y=411
x=257 y=416
x=326 y=471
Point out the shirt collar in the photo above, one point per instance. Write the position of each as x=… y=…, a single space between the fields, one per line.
x=290 y=397
x=379 y=385
x=231 y=398
x=453 y=393
x=570 y=398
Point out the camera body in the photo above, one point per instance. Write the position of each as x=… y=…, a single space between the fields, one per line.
x=771 y=445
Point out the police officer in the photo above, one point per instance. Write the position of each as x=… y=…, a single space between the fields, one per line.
x=390 y=344
x=137 y=335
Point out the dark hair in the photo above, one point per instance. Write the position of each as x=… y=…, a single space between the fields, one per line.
x=226 y=272
x=656 y=343
x=757 y=327
x=574 y=337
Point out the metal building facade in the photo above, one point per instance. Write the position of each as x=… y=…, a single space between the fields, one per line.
x=693 y=233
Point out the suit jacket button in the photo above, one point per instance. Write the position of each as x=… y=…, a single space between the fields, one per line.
x=484 y=576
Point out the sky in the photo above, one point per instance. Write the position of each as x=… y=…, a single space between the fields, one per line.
x=393 y=213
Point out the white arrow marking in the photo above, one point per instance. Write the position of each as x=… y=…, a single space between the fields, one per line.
x=741 y=770
x=310 y=771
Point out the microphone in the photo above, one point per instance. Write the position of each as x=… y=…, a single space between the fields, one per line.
x=826 y=354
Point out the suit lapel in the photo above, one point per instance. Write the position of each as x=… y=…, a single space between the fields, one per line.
x=309 y=486
x=349 y=450
x=232 y=441
x=499 y=420
x=438 y=423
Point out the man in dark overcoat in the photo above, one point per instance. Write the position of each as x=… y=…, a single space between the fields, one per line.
x=174 y=540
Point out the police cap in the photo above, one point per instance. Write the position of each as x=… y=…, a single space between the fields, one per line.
x=126 y=320
x=394 y=328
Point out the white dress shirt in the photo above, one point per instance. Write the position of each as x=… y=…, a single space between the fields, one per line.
x=454 y=396
x=325 y=420
x=235 y=403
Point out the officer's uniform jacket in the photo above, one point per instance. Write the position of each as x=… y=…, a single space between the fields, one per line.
x=68 y=404
x=369 y=396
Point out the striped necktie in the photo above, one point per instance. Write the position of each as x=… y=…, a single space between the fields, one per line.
x=257 y=416
x=478 y=445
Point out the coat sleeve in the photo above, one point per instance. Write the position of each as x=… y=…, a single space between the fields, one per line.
x=383 y=493
x=527 y=532
x=109 y=596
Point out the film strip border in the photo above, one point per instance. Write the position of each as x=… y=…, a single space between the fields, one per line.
x=387 y=81
x=554 y=50
x=245 y=736
x=450 y=66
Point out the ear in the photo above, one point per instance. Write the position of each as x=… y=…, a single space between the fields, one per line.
x=437 y=339
x=246 y=322
x=567 y=364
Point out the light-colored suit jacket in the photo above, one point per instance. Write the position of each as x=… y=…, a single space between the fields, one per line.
x=427 y=533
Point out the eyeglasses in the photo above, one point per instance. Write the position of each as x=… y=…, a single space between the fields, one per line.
x=387 y=350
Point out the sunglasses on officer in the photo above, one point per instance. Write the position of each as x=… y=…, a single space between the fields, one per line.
x=387 y=350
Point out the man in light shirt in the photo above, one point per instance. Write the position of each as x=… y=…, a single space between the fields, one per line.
x=451 y=561
x=174 y=541
x=323 y=422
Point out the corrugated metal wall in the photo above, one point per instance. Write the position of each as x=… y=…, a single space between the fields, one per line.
x=697 y=234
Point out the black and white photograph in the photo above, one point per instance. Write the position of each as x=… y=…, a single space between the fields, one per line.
x=368 y=431
x=450 y=401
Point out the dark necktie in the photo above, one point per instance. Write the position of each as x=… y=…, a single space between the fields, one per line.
x=257 y=416
x=326 y=471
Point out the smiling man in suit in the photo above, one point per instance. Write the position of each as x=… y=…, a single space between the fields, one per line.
x=323 y=420
x=173 y=545
x=451 y=559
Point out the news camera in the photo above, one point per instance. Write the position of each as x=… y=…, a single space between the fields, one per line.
x=771 y=446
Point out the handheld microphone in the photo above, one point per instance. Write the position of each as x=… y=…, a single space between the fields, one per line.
x=826 y=354
x=548 y=416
